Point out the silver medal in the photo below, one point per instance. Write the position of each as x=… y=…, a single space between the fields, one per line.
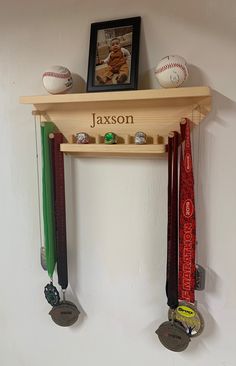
x=173 y=336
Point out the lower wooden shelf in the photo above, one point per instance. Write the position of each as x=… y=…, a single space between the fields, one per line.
x=98 y=150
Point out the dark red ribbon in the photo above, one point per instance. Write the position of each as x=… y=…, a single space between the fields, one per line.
x=172 y=225
x=60 y=210
x=187 y=219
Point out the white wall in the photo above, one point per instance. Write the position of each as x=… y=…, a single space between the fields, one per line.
x=117 y=208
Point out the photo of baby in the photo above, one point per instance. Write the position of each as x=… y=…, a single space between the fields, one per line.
x=113 y=56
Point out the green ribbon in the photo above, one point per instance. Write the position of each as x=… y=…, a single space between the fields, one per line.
x=48 y=201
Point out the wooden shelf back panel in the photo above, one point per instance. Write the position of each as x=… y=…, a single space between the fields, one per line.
x=155 y=112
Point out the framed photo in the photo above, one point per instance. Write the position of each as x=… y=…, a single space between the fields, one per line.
x=114 y=55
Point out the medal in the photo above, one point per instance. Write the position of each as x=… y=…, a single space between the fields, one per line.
x=64 y=313
x=190 y=318
x=173 y=336
x=48 y=254
x=186 y=313
x=51 y=294
x=183 y=276
x=171 y=333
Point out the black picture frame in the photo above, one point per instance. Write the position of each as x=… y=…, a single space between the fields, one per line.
x=116 y=42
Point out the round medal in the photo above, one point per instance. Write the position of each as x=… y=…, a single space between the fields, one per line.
x=189 y=317
x=173 y=336
x=65 y=314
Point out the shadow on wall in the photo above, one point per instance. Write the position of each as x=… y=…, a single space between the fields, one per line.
x=148 y=80
x=212 y=16
x=79 y=84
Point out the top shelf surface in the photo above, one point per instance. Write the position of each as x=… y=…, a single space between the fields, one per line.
x=150 y=94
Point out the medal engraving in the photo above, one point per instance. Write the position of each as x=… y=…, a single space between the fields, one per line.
x=189 y=317
x=173 y=336
x=65 y=314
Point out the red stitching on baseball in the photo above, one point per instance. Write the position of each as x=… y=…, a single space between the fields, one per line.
x=169 y=66
x=56 y=75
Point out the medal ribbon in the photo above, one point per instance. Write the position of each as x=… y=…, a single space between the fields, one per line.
x=187 y=219
x=60 y=210
x=48 y=209
x=172 y=225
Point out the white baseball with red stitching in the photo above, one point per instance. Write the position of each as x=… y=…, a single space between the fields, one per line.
x=172 y=71
x=57 y=79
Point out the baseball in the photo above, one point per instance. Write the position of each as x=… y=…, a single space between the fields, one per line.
x=57 y=79
x=172 y=71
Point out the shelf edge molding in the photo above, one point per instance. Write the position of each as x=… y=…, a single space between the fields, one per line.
x=188 y=92
x=93 y=150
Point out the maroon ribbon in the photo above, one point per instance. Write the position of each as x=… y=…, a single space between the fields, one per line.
x=60 y=210
x=172 y=225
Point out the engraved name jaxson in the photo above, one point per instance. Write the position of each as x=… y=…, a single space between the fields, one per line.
x=111 y=120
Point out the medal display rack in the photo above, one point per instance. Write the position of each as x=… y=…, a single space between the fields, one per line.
x=156 y=112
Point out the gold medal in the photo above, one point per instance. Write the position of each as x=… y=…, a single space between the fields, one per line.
x=190 y=318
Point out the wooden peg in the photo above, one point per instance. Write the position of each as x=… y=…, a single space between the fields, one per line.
x=171 y=134
x=127 y=139
x=98 y=139
x=36 y=113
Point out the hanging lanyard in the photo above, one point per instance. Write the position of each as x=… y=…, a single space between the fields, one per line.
x=60 y=211
x=48 y=210
x=185 y=321
x=171 y=333
x=63 y=313
x=172 y=225
x=187 y=220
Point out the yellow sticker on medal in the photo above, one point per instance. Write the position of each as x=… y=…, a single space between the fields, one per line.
x=186 y=311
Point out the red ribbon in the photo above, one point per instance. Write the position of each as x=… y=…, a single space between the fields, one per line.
x=187 y=219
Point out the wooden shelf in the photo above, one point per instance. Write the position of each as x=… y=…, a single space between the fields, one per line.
x=93 y=150
x=155 y=112
x=190 y=92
